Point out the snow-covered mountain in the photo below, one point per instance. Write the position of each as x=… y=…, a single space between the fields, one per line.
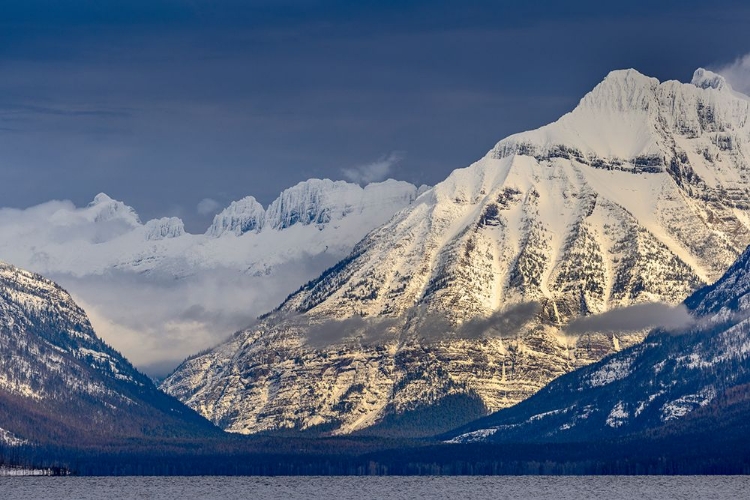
x=640 y=194
x=60 y=383
x=322 y=215
x=191 y=290
x=660 y=381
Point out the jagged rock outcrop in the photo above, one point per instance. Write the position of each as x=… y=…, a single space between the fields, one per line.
x=166 y=227
x=238 y=218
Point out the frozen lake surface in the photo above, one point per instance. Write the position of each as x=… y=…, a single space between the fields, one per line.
x=364 y=488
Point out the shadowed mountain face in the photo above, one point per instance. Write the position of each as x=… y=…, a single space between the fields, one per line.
x=670 y=384
x=61 y=384
x=638 y=195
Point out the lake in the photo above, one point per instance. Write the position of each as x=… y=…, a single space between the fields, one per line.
x=364 y=488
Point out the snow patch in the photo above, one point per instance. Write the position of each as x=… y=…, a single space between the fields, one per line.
x=618 y=416
x=683 y=405
x=612 y=371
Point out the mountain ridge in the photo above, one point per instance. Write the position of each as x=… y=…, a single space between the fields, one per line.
x=635 y=196
x=61 y=384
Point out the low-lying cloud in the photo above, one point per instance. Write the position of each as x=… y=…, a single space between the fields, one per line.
x=505 y=323
x=156 y=321
x=634 y=318
x=365 y=331
x=429 y=326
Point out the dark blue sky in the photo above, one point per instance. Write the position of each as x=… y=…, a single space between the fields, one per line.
x=162 y=103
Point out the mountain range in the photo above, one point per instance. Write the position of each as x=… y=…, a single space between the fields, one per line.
x=464 y=303
x=313 y=217
x=584 y=287
x=192 y=290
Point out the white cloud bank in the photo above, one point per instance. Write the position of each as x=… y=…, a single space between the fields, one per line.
x=373 y=172
x=157 y=321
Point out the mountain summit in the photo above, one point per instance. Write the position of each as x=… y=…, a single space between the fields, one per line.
x=458 y=305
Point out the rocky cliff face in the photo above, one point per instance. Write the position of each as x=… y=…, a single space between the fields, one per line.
x=638 y=195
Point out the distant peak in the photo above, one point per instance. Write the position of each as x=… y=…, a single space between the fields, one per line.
x=705 y=79
x=103 y=208
x=166 y=227
x=239 y=217
x=628 y=78
x=622 y=90
x=626 y=74
x=100 y=199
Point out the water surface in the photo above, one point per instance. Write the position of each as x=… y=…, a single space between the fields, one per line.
x=365 y=488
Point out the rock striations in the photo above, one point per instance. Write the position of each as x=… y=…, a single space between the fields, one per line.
x=458 y=303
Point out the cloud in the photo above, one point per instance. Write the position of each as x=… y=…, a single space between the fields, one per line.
x=175 y=318
x=634 y=318
x=207 y=206
x=155 y=317
x=428 y=326
x=737 y=74
x=372 y=172
x=158 y=302
x=365 y=331
x=503 y=324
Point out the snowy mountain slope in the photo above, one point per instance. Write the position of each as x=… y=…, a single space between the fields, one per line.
x=657 y=382
x=191 y=290
x=638 y=195
x=60 y=383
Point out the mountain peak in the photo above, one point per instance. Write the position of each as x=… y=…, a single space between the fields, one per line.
x=321 y=201
x=623 y=90
x=238 y=218
x=602 y=209
x=628 y=74
x=705 y=79
x=166 y=227
x=100 y=199
x=103 y=208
